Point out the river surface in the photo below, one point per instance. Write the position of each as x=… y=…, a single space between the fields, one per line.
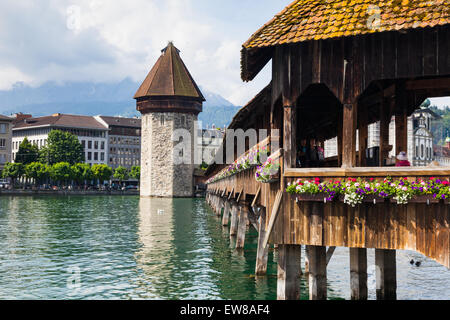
x=132 y=248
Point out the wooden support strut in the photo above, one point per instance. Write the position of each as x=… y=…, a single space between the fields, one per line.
x=273 y=217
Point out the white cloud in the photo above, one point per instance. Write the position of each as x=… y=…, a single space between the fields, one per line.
x=103 y=40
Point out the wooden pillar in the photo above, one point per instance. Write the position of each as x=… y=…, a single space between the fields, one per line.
x=339 y=141
x=358 y=273
x=349 y=136
x=262 y=251
x=385 y=118
x=242 y=228
x=288 y=284
x=386 y=272
x=234 y=219
x=219 y=206
x=317 y=272
x=226 y=213
x=363 y=135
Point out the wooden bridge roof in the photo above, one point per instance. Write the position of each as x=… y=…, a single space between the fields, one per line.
x=308 y=20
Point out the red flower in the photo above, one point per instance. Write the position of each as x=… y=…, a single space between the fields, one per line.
x=445 y=183
x=372 y=179
x=432 y=178
x=354 y=180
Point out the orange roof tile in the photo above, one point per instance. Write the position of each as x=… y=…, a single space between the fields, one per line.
x=305 y=20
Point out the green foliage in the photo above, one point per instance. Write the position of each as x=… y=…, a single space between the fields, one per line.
x=135 y=172
x=82 y=172
x=37 y=171
x=28 y=153
x=121 y=174
x=61 y=172
x=62 y=147
x=101 y=172
x=13 y=170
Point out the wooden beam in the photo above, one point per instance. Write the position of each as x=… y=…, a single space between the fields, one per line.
x=231 y=194
x=273 y=217
x=239 y=196
x=256 y=197
x=369 y=172
x=439 y=83
x=330 y=253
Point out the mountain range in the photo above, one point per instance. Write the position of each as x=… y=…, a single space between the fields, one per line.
x=87 y=98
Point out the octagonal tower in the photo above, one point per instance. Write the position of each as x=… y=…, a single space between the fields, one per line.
x=168 y=99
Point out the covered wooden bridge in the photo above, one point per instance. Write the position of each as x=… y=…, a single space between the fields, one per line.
x=338 y=66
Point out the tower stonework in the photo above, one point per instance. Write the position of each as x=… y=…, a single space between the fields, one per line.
x=169 y=100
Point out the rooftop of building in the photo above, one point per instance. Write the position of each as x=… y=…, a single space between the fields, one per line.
x=169 y=77
x=5 y=118
x=122 y=122
x=60 y=120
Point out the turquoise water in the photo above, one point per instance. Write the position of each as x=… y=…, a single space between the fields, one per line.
x=132 y=248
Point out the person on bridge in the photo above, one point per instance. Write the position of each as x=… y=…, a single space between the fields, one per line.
x=402 y=160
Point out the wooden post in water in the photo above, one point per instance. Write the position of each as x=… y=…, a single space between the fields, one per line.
x=386 y=271
x=226 y=213
x=242 y=228
x=288 y=284
x=219 y=206
x=358 y=273
x=317 y=272
x=234 y=219
x=263 y=251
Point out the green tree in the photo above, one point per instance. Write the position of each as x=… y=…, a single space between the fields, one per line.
x=121 y=174
x=62 y=147
x=13 y=171
x=27 y=153
x=61 y=172
x=82 y=172
x=102 y=172
x=37 y=171
x=135 y=172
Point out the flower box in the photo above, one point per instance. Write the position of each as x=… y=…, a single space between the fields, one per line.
x=272 y=179
x=318 y=197
x=373 y=198
x=423 y=199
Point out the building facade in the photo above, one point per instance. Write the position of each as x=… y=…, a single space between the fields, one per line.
x=169 y=101
x=92 y=135
x=124 y=141
x=6 y=124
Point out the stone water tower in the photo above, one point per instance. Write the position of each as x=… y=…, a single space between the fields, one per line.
x=168 y=99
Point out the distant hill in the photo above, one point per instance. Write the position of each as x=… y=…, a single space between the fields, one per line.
x=111 y=99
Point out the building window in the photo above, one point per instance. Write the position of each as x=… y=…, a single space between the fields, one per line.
x=95 y=156
x=3 y=128
x=96 y=145
x=89 y=144
x=421 y=151
x=83 y=143
x=102 y=156
x=89 y=156
x=103 y=145
x=2 y=143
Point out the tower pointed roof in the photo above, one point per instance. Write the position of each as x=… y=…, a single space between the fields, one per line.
x=169 y=77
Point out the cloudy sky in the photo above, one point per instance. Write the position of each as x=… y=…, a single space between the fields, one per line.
x=106 y=40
